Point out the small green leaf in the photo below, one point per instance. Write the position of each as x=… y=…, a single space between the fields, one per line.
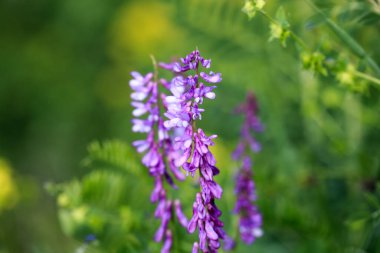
x=281 y=17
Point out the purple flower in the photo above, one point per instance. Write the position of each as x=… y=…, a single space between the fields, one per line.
x=142 y=126
x=139 y=81
x=141 y=145
x=203 y=91
x=212 y=77
x=140 y=108
x=159 y=154
x=178 y=86
x=183 y=109
x=168 y=242
x=229 y=243
x=168 y=66
x=250 y=219
x=180 y=215
x=163 y=212
x=188 y=92
x=195 y=248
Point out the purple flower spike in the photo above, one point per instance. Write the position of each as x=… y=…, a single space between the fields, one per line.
x=159 y=153
x=183 y=109
x=250 y=219
x=176 y=142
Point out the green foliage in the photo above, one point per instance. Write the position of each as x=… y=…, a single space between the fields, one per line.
x=65 y=69
x=111 y=202
x=279 y=29
x=105 y=201
x=112 y=155
x=314 y=62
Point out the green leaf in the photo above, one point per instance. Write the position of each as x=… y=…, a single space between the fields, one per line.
x=372 y=200
x=100 y=204
x=113 y=154
x=281 y=18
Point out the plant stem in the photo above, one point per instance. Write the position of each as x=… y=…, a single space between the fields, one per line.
x=299 y=41
x=367 y=77
x=269 y=17
x=155 y=78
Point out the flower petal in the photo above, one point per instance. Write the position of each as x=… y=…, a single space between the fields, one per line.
x=211 y=78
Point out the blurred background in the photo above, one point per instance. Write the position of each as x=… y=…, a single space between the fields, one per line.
x=64 y=73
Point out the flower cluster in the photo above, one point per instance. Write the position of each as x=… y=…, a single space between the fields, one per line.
x=157 y=146
x=176 y=142
x=183 y=108
x=250 y=219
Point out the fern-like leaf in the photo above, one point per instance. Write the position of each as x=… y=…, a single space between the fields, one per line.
x=112 y=154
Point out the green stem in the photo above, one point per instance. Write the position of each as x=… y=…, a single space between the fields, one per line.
x=269 y=17
x=299 y=41
x=155 y=77
x=367 y=77
x=371 y=62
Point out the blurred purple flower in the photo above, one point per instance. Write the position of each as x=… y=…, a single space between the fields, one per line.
x=250 y=219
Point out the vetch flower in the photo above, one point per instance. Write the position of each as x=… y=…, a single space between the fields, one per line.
x=139 y=81
x=183 y=109
x=142 y=126
x=250 y=219
x=211 y=78
x=159 y=155
x=180 y=215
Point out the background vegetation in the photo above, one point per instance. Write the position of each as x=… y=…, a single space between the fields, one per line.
x=64 y=72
